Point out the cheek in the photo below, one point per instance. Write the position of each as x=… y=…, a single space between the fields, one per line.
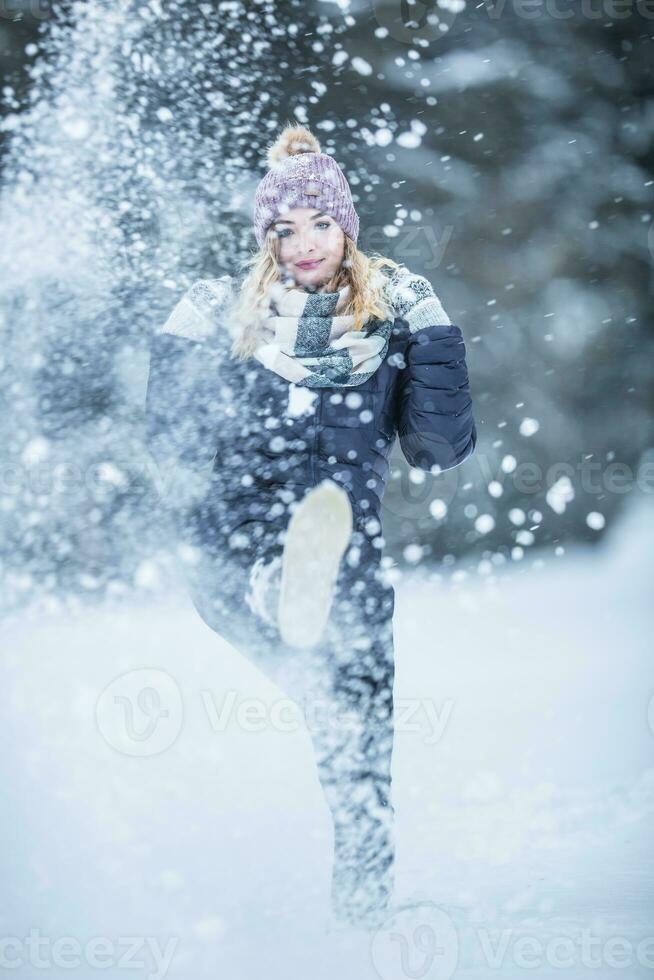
x=335 y=245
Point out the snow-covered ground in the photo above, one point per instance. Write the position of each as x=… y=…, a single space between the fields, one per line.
x=192 y=829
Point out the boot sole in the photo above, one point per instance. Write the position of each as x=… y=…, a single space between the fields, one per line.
x=317 y=535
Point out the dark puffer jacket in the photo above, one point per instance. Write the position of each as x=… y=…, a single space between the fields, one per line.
x=269 y=441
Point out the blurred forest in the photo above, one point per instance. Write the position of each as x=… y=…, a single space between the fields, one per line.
x=504 y=150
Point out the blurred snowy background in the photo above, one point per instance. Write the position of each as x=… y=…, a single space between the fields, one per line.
x=504 y=150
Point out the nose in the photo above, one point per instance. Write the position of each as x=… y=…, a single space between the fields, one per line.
x=305 y=243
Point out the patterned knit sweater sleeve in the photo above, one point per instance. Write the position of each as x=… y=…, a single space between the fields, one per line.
x=184 y=402
x=414 y=300
x=198 y=315
x=434 y=418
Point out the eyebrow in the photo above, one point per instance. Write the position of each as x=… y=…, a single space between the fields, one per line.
x=318 y=214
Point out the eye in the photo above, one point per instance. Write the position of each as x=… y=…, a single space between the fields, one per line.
x=285 y=232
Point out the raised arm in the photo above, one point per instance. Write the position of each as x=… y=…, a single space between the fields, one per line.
x=182 y=403
x=434 y=420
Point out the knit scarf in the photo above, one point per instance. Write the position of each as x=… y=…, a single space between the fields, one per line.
x=307 y=339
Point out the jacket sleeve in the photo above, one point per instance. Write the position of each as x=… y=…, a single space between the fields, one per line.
x=435 y=422
x=183 y=404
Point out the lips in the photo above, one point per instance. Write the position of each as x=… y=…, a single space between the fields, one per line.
x=309 y=265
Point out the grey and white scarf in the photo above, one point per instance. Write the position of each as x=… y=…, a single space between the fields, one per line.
x=309 y=340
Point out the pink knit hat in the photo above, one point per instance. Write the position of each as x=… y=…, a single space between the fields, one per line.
x=300 y=176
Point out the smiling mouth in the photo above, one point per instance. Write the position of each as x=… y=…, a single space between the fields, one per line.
x=309 y=265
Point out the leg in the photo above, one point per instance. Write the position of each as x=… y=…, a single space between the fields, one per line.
x=220 y=585
x=219 y=581
x=345 y=686
x=349 y=714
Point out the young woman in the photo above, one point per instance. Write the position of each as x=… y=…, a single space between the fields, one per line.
x=291 y=391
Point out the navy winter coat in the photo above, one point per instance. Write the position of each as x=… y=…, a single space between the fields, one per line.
x=269 y=441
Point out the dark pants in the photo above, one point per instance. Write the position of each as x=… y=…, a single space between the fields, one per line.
x=344 y=686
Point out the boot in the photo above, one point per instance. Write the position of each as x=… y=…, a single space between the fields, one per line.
x=317 y=536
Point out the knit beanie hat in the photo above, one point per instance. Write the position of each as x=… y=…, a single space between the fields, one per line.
x=300 y=176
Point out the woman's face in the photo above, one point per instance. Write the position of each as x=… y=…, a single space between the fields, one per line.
x=311 y=245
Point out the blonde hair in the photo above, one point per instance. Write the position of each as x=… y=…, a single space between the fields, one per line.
x=357 y=270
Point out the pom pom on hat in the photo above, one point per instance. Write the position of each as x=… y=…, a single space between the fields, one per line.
x=292 y=140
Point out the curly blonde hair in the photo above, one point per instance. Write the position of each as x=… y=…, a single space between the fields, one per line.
x=357 y=270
